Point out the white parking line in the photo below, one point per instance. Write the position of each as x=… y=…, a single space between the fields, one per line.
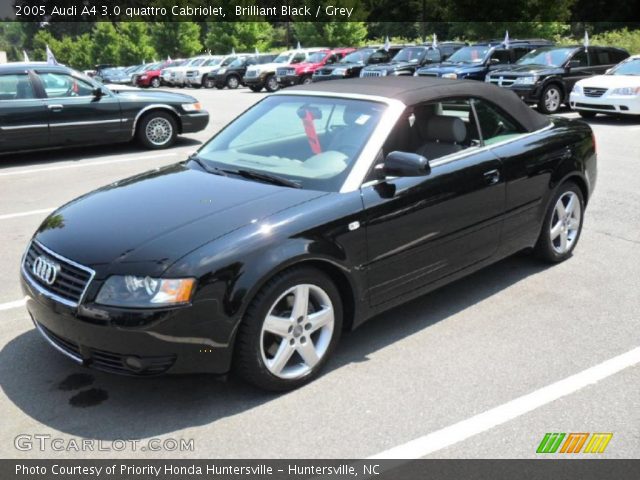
x=86 y=164
x=482 y=422
x=10 y=305
x=24 y=214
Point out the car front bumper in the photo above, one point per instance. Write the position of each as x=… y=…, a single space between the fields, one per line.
x=288 y=80
x=527 y=93
x=616 y=104
x=194 y=122
x=254 y=81
x=181 y=340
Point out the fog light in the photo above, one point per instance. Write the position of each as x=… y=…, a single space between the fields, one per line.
x=134 y=363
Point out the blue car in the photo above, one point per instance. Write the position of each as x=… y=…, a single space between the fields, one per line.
x=476 y=61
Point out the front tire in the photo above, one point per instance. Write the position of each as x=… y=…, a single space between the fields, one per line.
x=155 y=82
x=550 y=100
x=157 y=130
x=233 y=82
x=289 y=330
x=562 y=224
x=271 y=83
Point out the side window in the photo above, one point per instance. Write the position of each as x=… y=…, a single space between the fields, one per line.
x=520 y=52
x=59 y=85
x=495 y=125
x=581 y=58
x=435 y=129
x=298 y=57
x=617 y=56
x=332 y=59
x=16 y=87
x=600 y=57
x=501 y=56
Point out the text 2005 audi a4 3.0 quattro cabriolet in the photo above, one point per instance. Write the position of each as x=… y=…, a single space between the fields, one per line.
x=312 y=211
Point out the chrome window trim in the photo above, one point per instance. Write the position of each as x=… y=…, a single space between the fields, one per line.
x=51 y=342
x=46 y=292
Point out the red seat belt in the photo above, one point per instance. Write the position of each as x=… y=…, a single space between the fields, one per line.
x=310 y=131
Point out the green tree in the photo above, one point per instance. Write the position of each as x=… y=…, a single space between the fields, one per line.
x=222 y=37
x=176 y=39
x=12 y=39
x=333 y=34
x=106 y=43
x=136 y=43
x=40 y=42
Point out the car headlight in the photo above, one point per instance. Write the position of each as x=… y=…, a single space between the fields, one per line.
x=144 y=292
x=339 y=71
x=222 y=70
x=450 y=75
x=577 y=89
x=626 y=91
x=526 y=80
x=192 y=107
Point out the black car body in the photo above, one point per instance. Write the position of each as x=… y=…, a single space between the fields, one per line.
x=546 y=75
x=393 y=188
x=231 y=76
x=351 y=65
x=113 y=75
x=407 y=60
x=43 y=106
x=474 y=61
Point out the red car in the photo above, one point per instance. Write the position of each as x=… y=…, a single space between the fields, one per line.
x=150 y=75
x=301 y=73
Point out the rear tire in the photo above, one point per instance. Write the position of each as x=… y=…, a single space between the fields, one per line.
x=289 y=330
x=209 y=82
x=562 y=224
x=157 y=130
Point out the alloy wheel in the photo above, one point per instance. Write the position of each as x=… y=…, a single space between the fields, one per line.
x=159 y=131
x=565 y=222
x=297 y=331
x=552 y=99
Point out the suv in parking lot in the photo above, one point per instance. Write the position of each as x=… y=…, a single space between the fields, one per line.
x=177 y=76
x=407 y=60
x=352 y=64
x=302 y=73
x=546 y=75
x=473 y=62
x=258 y=77
x=231 y=76
x=196 y=77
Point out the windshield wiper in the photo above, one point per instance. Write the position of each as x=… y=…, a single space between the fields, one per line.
x=207 y=168
x=265 y=177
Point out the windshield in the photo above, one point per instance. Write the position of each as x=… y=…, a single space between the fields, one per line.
x=283 y=58
x=312 y=141
x=111 y=71
x=196 y=62
x=628 y=67
x=410 y=54
x=153 y=66
x=211 y=62
x=552 y=57
x=473 y=54
x=316 y=57
x=238 y=62
x=359 y=56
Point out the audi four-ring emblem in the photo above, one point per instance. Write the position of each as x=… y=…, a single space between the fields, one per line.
x=45 y=270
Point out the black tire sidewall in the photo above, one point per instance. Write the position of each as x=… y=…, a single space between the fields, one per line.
x=248 y=361
x=142 y=126
x=229 y=83
x=544 y=248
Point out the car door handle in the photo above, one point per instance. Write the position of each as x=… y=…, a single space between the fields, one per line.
x=56 y=108
x=492 y=176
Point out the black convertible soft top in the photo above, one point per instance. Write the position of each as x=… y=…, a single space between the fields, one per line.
x=414 y=90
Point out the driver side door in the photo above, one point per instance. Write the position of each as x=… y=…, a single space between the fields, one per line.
x=76 y=116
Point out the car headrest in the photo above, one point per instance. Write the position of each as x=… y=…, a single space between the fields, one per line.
x=351 y=114
x=446 y=129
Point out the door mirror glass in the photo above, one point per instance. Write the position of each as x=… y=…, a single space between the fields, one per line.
x=97 y=92
x=573 y=64
x=404 y=164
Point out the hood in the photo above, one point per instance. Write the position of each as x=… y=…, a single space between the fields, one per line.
x=392 y=66
x=153 y=219
x=454 y=68
x=138 y=95
x=611 y=81
x=524 y=70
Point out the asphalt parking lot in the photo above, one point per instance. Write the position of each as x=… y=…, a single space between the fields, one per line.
x=481 y=368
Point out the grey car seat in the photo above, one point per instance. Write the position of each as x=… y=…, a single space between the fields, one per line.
x=442 y=136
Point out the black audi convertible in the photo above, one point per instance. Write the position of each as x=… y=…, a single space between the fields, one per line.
x=314 y=210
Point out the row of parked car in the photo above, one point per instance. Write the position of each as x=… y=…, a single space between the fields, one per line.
x=537 y=70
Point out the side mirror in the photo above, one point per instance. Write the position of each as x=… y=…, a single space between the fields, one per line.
x=403 y=164
x=494 y=61
x=573 y=64
x=97 y=92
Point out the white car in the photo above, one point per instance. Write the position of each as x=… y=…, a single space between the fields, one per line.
x=177 y=76
x=616 y=92
x=258 y=77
